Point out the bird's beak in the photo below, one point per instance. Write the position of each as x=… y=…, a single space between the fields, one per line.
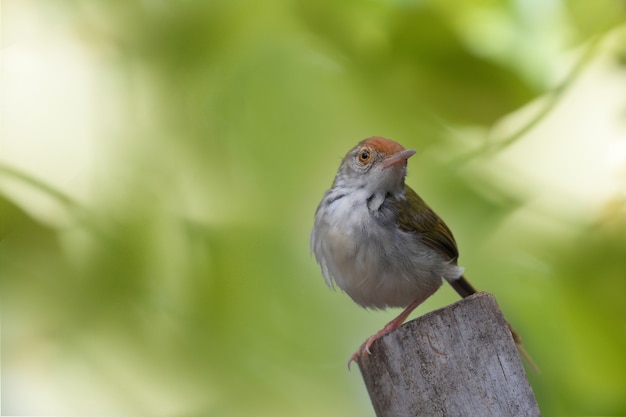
x=398 y=158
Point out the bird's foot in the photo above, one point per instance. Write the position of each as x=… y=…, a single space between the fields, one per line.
x=364 y=350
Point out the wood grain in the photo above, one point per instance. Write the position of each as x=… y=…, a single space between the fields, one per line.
x=457 y=361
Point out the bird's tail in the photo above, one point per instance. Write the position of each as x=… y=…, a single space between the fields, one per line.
x=522 y=351
x=465 y=289
x=462 y=286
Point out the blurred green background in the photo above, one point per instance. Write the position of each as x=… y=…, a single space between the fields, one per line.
x=161 y=162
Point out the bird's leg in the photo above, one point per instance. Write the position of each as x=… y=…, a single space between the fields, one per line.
x=392 y=325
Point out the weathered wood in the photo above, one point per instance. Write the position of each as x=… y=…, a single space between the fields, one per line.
x=457 y=361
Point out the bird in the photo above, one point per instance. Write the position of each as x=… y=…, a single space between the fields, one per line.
x=377 y=240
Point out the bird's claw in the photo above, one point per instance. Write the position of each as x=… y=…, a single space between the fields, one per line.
x=363 y=351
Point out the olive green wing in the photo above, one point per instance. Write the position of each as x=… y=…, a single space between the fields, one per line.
x=421 y=220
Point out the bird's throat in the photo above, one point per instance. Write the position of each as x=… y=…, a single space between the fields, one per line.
x=375 y=201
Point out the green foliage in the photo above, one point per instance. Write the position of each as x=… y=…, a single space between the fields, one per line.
x=182 y=283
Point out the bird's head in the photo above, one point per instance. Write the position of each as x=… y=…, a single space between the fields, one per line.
x=375 y=164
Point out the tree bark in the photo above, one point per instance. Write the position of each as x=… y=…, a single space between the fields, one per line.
x=457 y=361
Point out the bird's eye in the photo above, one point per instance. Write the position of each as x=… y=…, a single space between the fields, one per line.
x=364 y=156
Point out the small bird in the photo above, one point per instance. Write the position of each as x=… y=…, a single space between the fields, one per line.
x=379 y=242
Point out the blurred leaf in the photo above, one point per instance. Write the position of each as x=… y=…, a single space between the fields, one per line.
x=412 y=57
x=184 y=285
x=594 y=18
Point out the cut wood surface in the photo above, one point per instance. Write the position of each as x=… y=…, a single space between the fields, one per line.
x=460 y=360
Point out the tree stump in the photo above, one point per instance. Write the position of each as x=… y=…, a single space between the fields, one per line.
x=460 y=360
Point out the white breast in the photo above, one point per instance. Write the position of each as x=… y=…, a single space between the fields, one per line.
x=377 y=265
